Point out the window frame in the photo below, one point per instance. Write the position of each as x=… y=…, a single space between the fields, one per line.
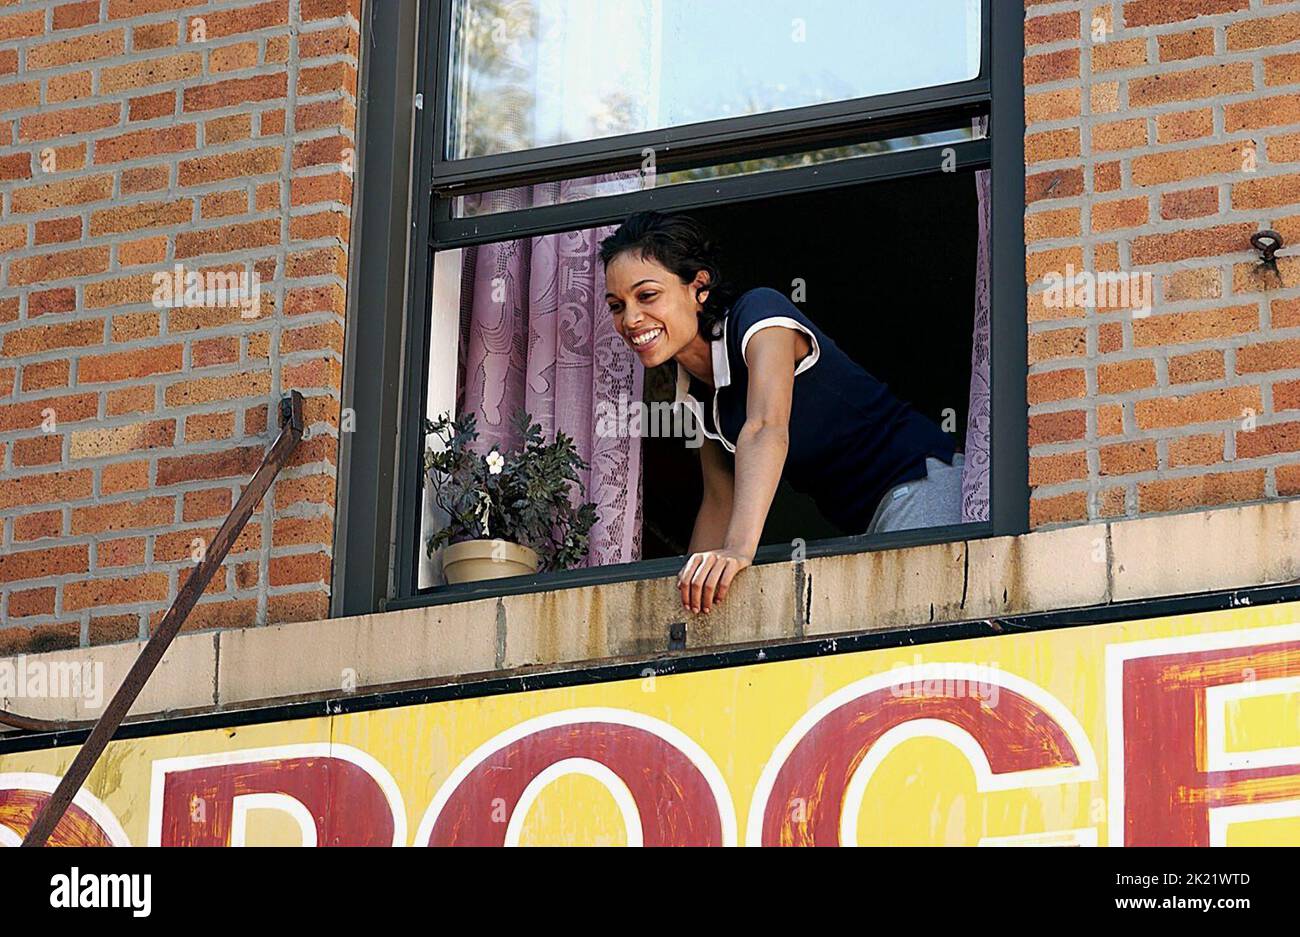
x=385 y=369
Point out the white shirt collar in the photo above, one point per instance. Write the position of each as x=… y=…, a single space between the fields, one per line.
x=721 y=367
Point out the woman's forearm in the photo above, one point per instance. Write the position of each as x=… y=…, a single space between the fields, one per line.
x=710 y=525
x=760 y=456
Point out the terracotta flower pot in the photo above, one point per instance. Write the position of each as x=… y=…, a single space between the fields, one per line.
x=476 y=560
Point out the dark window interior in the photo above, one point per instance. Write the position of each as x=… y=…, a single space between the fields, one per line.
x=889 y=269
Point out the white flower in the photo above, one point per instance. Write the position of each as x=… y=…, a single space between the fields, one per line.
x=495 y=462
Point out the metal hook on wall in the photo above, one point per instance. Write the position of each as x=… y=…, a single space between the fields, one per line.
x=1268 y=243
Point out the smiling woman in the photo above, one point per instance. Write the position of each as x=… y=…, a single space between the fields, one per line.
x=785 y=402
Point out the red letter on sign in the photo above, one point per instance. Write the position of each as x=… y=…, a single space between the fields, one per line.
x=19 y=807
x=674 y=801
x=1170 y=782
x=340 y=800
x=800 y=800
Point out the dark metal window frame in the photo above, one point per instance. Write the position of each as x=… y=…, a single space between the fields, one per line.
x=385 y=366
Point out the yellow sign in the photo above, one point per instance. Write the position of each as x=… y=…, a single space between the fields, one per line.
x=1182 y=730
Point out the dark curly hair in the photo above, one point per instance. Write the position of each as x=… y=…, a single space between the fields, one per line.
x=684 y=246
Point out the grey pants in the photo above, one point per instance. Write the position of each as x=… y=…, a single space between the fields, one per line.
x=932 y=501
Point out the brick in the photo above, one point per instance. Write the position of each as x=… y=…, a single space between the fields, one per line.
x=1124 y=376
x=72 y=87
x=20 y=95
x=1064 y=426
x=1160 y=12
x=1055 y=183
x=232 y=58
x=122 y=477
x=130 y=365
x=299 y=568
x=1175 y=494
x=30 y=414
x=141 y=144
x=1051 y=66
x=1262 y=112
x=42 y=525
x=1175 y=47
x=58 y=230
x=123 y=515
x=139 y=74
x=1229 y=403
x=1282 y=69
x=1058 y=469
x=1262 y=32
x=1185 y=327
x=206 y=504
x=1268 y=356
x=152 y=106
x=1128 y=458
x=1197 y=366
x=228 y=238
x=1181 y=126
x=1039 y=147
x=1197 y=283
x=28 y=602
x=40 y=638
x=1189 y=203
x=84 y=48
x=235 y=91
x=70 y=121
x=72 y=15
x=124 y=551
x=1198 y=242
x=238 y=462
x=63 y=194
x=144 y=179
x=1266 y=440
x=119 y=440
x=1177 y=165
x=1059 y=509
x=127 y=590
x=1119 y=135
x=140 y=216
x=1120 y=213
x=41 y=338
x=1201 y=449
x=1269 y=192
x=45 y=375
x=334 y=77
x=46 y=561
x=45 y=449
x=228 y=129
x=254 y=162
x=1119 y=54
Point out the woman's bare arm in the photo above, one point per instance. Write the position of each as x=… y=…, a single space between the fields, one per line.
x=761 y=449
x=711 y=520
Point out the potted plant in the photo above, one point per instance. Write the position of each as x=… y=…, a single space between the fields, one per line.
x=509 y=512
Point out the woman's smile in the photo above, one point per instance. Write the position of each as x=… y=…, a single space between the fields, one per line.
x=645 y=340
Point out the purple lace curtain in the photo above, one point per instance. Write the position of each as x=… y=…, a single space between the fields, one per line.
x=536 y=335
x=975 y=473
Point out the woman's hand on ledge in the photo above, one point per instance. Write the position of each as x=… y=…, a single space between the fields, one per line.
x=706 y=577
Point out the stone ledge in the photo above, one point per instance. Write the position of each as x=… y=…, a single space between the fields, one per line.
x=1049 y=570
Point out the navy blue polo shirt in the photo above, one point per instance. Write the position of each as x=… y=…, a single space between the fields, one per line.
x=851 y=439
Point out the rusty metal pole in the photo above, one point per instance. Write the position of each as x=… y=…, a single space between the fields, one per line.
x=290 y=433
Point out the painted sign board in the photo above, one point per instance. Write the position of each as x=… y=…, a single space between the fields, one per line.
x=1181 y=731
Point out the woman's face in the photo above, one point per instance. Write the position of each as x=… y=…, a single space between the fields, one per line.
x=654 y=311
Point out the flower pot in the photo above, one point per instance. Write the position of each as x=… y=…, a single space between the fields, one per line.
x=476 y=560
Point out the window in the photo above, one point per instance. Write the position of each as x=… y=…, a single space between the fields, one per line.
x=846 y=146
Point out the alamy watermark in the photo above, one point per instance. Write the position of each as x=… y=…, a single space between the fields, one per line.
x=657 y=420
x=179 y=287
x=1105 y=289
x=951 y=681
x=22 y=678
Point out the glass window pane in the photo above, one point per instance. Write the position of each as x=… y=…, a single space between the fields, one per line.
x=530 y=73
x=617 y=183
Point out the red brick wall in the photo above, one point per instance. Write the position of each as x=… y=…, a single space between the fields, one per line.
x=136 y=135
x=1160 y=135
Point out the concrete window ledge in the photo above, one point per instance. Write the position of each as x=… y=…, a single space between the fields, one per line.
x=1072 y=567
